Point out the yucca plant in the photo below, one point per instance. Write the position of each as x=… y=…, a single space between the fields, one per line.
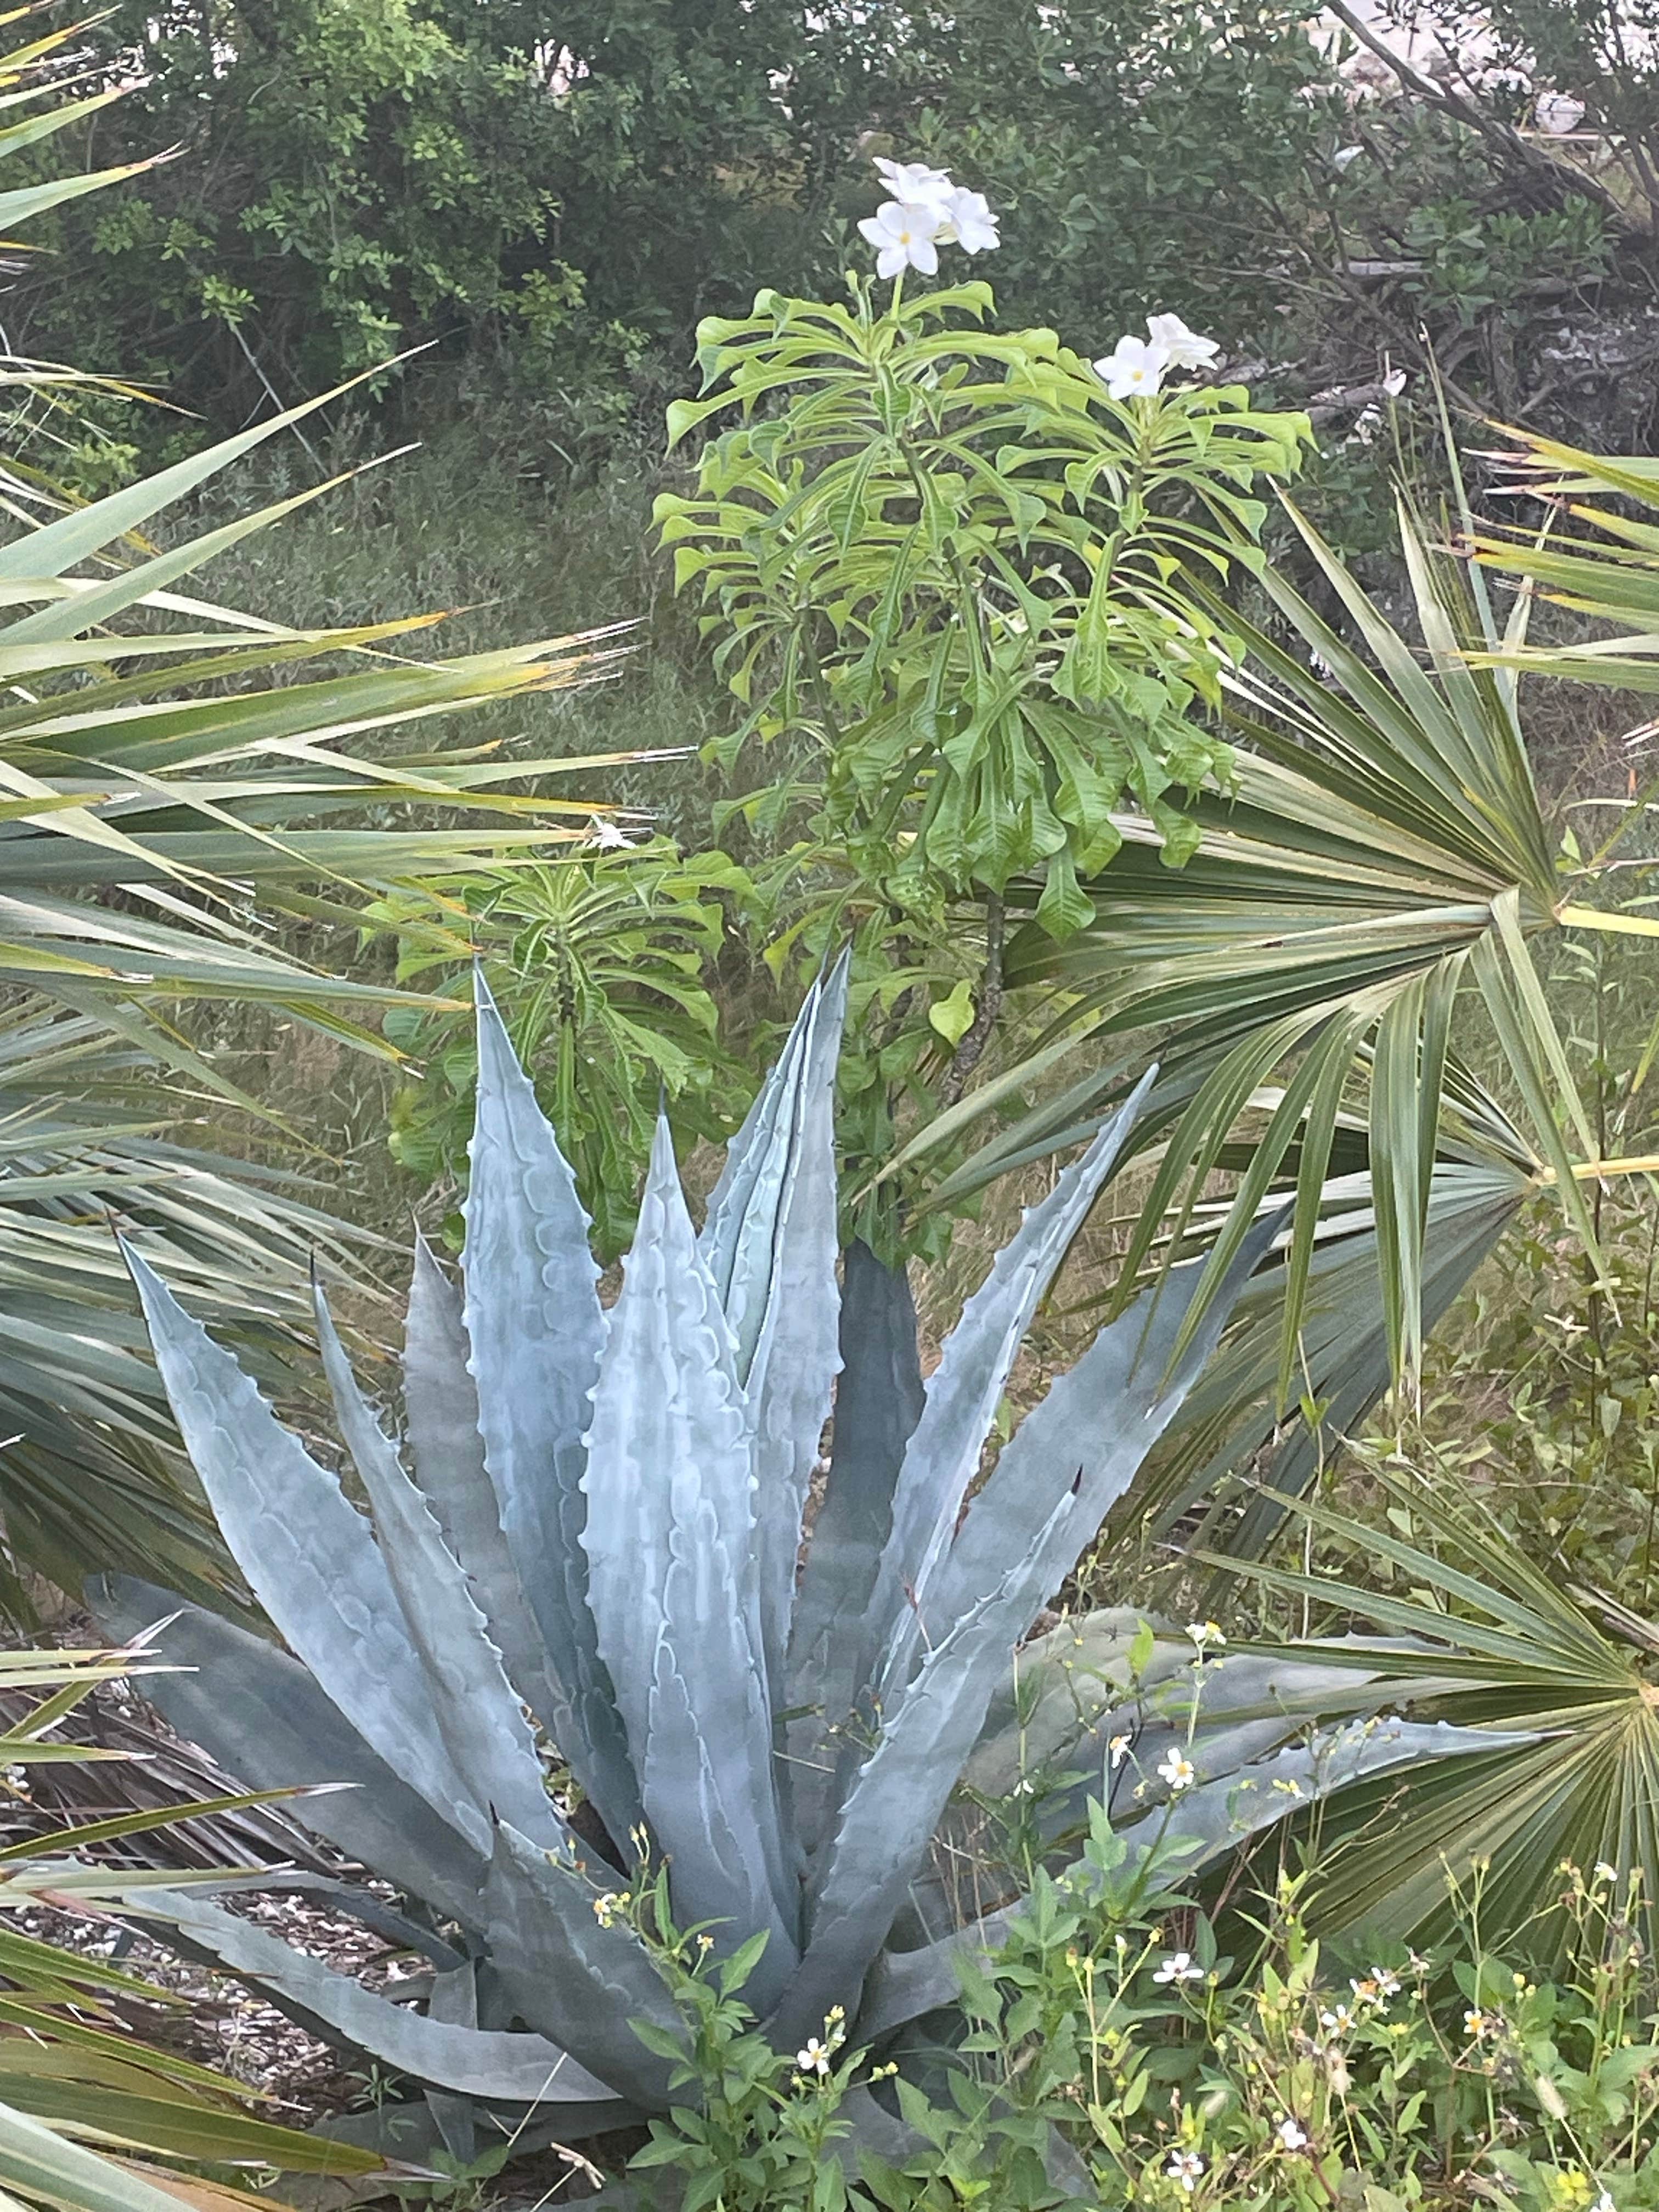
x=167 y=793
x=92 y=2117
x=607 y=1513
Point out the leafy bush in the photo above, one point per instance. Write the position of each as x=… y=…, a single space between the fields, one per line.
x=1176 y=2072
x=603 y=966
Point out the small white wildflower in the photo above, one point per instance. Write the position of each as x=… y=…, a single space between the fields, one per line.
x=1178 y=1771
x=606 y=1908
x=913 y=184
x=1388 y=1982
x=1606 y=1873
x=1291 y=2135
x=1133 y=369
x=813 y=2057
x=1604 y=2202
x=969 y=223
x=606 y=836
x=1179 y=1967
x=1476 y=2025
x=1205 y=1635
x=1337 y=2018
x=905 y=234
x=1185 y=2167
x=1182 y=348
x=1119 y=1750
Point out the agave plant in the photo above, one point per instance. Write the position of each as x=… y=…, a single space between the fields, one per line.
x=604 y=1524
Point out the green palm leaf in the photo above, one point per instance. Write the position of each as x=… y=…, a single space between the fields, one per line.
x=92 y=2117
x=174 y=776
x=1380 y=868
x=1521 y=1653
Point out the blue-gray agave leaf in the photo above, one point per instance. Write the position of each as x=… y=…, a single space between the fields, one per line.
x=903 y=1788
x=964 y=1389
x=440 y=1403
x=1063 y=1467
x=739 y=1212
x=779 y=1297
x=673 y=1581
x=1211 y=1817
x=879 y=1400
x=261 y=1715
x=535 y=1328
x=1091 y=1433
x=577 y=1974
x=479 y=1715
x=481 y=2062
x=309 y=1556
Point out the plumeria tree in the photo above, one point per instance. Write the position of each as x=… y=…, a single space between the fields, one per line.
x=950 y=571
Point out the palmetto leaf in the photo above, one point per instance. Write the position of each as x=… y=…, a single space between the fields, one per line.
x=1495 y=1643
x=1608 y=570
x=76 y=2085
x=92 y=1470
x=156 y=781
x=1382 y=858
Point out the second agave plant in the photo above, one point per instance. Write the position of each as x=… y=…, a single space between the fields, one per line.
x=592 y=1566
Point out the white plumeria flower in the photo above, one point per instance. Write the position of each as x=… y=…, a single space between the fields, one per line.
x=1182 y=348
x=1119 y=1750
x=1291 y=2135
x=1179 y=1967
x=813 y=2057
x=1207 y=1635
x=1178 y=1771
x=971 y=222
x=905 y=234
x=1185 y=2167
x=914 y=184
x=1133 y=369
